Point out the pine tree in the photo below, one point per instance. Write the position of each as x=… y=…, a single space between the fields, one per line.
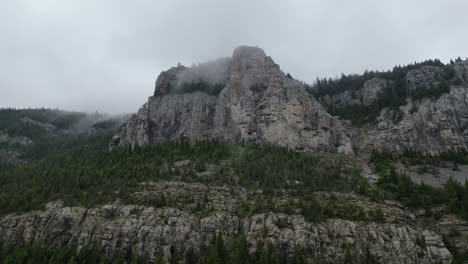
x=218 y=253
x=240 y=253
x=299 y=255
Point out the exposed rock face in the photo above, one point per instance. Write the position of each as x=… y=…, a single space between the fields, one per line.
x=456 y=229
x=461 y=70
x=168 y=79
x=138 y=229
x=19 y=140
x=367 y=95
x=436 y=176
x=342 y=99
x=423 y=76
x=45 y=126
x=372 y=89
x=9 y=156
x=258 y=103
x=426 y=125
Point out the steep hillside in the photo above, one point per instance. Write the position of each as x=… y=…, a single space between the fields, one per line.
x=422 y=107
x=169 y=200
x=27 y=134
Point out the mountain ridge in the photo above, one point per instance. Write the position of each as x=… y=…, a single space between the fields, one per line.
x=257 y=102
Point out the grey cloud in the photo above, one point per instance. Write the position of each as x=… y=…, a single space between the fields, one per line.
x=105 y=55
x=212 y=71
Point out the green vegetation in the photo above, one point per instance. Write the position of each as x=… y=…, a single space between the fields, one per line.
x=238 y=253
x=46 y=142
x=430 y=92
x=398 y=186
x=10 y=121
x=80 y=170
x=217 y=253
x=88 y=173
x=392 y=97
x=459 y=257
x=411 y=157
x=266 y=254
x=356 y=113
x=84 y=172
x=270 y=167
x=355 y=82
x=39 y=254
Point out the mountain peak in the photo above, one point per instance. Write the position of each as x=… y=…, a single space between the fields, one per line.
x=245 y=97
x=248 y=52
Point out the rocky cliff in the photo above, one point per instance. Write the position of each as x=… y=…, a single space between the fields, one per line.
x=258 y=102
x=367 y=95
x=427 y=125
x=424 y=122
x=138 y=229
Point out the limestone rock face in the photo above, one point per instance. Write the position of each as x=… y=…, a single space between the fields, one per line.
x=138 y=229
x=367 y=95
x=423 y=76
x=342 y=99
x=258 y=103
x=426 y=125
x=457 y=229
x=372 y=89
x=167 y=79
x=430 y=125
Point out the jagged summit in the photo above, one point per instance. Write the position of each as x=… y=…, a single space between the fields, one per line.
x=249 y=54
x=250 y=99
x=244 y=59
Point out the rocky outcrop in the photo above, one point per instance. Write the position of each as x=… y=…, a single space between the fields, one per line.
x=424 y=76
x=10 y=148
x=45 y=126
x=147 y=230
x=426 y=125
x=435 y=176
x=168 y=79
x=461 y=70
x=373 y=88
x=367 y=95
x=258 y=103
x=345 y=98
x=10 y=156
x=14 y=140
x=456 y=230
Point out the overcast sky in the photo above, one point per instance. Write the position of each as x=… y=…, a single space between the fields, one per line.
x=105 y=55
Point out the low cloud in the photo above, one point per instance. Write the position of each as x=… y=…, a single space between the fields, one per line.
x=213 y=71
